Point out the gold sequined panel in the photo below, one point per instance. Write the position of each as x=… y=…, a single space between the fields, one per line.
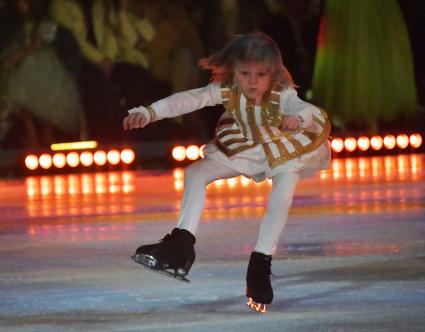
x=285 y=155
x=152 y=113
x=276 y=150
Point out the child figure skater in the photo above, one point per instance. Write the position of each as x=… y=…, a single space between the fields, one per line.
x=266 y=131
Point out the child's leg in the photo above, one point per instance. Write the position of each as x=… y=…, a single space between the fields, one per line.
x=197 y=176
x=276 y=216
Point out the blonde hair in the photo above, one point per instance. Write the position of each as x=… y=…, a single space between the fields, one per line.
x=252 y=47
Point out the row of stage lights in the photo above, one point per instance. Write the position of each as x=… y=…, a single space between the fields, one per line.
x=349 y=144
x=88 y=158
x=59 y=158
x=376 y=143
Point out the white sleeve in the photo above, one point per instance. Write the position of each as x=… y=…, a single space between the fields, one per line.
x=182 y=102
x=291 y=104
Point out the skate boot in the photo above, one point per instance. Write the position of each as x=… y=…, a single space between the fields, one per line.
x=174 y=252
x=258 y=287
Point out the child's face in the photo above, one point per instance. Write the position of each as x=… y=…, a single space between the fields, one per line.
x=253 y=79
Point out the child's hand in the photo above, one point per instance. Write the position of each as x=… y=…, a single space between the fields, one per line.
x=290 y=122
x=134 y=121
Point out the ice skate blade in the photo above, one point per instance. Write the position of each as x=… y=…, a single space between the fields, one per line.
x=258 y=307
x=168 y=273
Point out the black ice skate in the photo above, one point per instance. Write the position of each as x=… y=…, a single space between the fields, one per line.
x=175 y=252
x=258 y=287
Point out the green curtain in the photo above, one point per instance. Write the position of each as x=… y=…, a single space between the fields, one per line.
x=364 y=69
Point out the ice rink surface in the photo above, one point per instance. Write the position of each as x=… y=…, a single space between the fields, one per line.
x=352 y=257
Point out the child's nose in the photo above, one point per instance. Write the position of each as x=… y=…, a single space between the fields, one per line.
x=252 y=79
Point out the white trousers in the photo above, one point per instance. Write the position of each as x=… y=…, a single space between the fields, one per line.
x=199 y=174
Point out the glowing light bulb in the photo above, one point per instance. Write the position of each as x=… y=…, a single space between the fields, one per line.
x=86 y=158
x=415 y=140
x=363 y=143
x=389 y=142
x=376 y=142
x=201 y=151
x=337 y=144
x=402 y=141
x=45 y=161
x=350 y=144
x=59 y=160
x=128 y=156
x=73 y=159
x=192 y=152
x=179 y=153
x=113 y=157
x=100 y=158
x=31 y=162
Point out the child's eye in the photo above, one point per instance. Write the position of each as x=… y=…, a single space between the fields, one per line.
x=262 y=74
x=244 y=73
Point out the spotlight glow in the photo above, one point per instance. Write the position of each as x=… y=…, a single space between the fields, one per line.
x=86 y=158
x=363 y=143
x=337 y=144
x=201 y=151
x=73 y=159
x=415 y=140
x=350 y=144
x=389 y=142
x=59 y=160
x=192 y=152
x=45 y=161
x=100 y=158
x=128 y=156
x=31 y=162
x=113 y=157
x=376 y=142
x=179 y=153
x=402 y=141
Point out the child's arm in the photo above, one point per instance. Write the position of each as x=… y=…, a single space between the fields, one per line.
x=296 y=112
x=175 y=105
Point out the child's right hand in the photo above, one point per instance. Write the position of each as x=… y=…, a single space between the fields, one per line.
x=134 y=121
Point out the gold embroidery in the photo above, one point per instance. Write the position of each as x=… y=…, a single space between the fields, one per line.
x=152 y=113
x=271 y=117
x=225 y=121
x=234 y=140
x=229 y=132
x=231 y=152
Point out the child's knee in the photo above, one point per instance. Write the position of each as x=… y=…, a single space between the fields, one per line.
x=194 y=173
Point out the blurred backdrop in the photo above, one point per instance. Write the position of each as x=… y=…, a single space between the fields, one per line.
x=70 y=69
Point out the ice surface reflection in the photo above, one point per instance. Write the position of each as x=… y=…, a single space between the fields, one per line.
x=352 y=185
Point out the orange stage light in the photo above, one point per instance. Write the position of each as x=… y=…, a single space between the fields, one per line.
x=31 y=162
x=376 y=142
x=363 y=143
x=337 y=144
x=201 y=151
x=86 y=158
x=45 y=161
x=350 y=144
x=99 y=158
x=59 y=160
x=128 y=156
x=415 y=140
x=73 y=159
x=402 y=141
x=113 y=157
x=192 y=152
x=179 y=153
x=389 y=142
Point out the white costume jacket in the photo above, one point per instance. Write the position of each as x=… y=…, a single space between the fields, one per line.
x=248 y=137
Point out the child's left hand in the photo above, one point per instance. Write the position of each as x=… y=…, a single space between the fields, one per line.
x=290 y=122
